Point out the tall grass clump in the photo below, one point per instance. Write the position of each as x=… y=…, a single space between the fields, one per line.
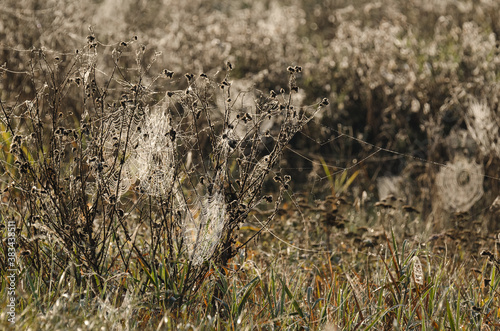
x=138 y=184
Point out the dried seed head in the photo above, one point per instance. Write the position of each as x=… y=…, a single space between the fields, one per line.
x=247 y=118
x=487 y=253
x=410 y=209
x=172 y=134
x=168 y=73
x=13 y=148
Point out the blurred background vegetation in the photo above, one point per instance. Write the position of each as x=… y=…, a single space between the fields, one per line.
x=400 y=74
x=413 y=89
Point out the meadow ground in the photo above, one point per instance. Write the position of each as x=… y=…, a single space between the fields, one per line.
x=253 y=165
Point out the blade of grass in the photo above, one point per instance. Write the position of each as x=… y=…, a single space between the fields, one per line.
x=450 y=316
x=291 y=297
x=248 y=290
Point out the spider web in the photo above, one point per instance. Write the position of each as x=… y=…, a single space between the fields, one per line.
x=155 y=180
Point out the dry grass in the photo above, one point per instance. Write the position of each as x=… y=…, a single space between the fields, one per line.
x=317 y=165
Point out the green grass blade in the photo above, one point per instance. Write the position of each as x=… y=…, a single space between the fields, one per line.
x=249 y=288
x=294 y=302
x=450 y=316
